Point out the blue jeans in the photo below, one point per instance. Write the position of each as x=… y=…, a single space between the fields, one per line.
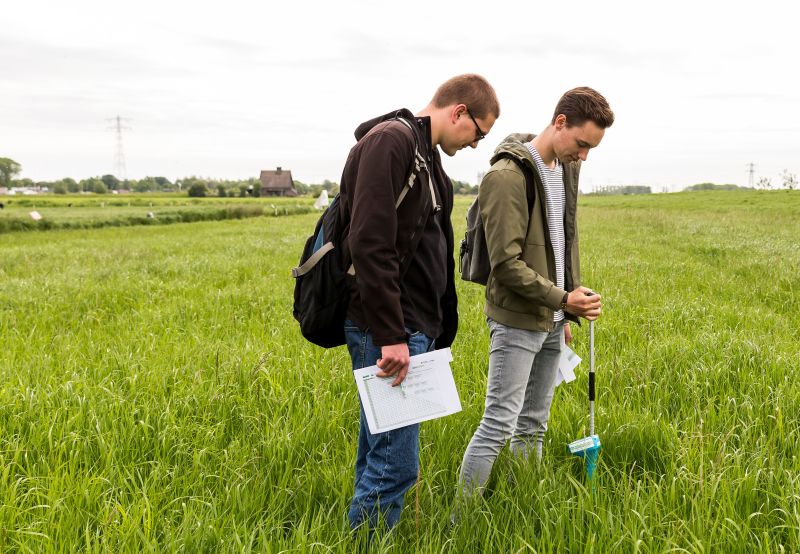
x=522 y=373
x=387 y=463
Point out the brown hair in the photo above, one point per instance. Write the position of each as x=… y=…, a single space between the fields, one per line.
x=470 y=89
x=582 y=104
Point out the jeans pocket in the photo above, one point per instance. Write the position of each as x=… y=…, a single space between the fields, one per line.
x=418 y=342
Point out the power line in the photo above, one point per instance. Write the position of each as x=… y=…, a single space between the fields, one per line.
x=119 y=157
x=752 y=172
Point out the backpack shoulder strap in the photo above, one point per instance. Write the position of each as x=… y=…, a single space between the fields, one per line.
x=530 y=188
x=417 y=165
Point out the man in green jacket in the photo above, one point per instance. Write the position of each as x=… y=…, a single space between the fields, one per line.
x=534 y=284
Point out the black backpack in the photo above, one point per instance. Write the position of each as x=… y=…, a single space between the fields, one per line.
x=473 y=256
x=321 y=292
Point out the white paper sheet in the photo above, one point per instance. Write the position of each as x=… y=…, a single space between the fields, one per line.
x=428 y=392
x=566 y=365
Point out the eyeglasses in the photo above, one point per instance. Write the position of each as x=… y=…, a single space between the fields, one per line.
x=480 y=135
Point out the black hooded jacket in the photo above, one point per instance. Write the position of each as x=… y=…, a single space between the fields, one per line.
x=391 y=292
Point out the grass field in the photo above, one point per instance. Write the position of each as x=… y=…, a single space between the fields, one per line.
x=79 y=211
x=155 y=395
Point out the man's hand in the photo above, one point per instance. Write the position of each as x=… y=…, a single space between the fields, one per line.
x=567 y=333
x=584 y=302
x=394 y=361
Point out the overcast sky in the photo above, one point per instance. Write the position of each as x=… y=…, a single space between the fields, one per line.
x=225 y=89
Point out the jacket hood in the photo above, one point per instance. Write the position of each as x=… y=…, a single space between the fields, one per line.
x=365 y=127
x=514 y=144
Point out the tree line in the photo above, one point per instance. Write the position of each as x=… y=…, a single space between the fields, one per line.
x=332 y=188
x=199 y=186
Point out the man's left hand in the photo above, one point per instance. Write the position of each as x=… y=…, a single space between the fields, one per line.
x=567 y=333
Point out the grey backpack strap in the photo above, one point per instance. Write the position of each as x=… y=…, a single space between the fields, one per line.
x=419 y=164
x=312 y=260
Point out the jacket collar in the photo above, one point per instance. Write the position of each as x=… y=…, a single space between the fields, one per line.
x=365 y=127
x=514 y=144
x=422 y=124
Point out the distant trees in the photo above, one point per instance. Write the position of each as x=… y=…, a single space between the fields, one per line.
x=93 y=184
x=789 y=179
x=192 y=185
x=223 y=187
x=62 y=186
x=148 y=184
x=8 y=170
x=162 y=183
x=251 y=187
x=197 y=190
x=71 y=184
x=25 y=182
x=99 y=187
x=329 y=186
x=316 y=189
x=88 y=185
x=764 y=183
x=713 y=186
x=111 y=182
x=301 y=188
x=461 y=187
x=621 y=189
x=195 y=186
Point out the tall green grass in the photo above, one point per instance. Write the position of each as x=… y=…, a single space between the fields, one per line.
x=155 y=394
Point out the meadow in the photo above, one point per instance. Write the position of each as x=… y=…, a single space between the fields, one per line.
x=91 y=211
x=156 y=395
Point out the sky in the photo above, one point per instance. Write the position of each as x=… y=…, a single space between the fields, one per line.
x=225 y=89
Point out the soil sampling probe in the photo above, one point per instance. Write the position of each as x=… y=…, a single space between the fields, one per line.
x=588 y=448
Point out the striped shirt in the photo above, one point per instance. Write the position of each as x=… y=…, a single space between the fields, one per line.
x=553 y=180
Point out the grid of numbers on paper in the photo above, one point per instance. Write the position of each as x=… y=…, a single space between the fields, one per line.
x=412 y=407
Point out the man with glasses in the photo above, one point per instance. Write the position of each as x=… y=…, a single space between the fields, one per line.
x=402 y=294
x=479 y=134
x=534 y=283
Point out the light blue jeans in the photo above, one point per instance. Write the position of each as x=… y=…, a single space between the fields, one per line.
x=522 y=372
x=387 y=463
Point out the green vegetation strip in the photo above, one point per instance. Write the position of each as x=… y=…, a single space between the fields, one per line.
x=80 y=212
x=155 y=395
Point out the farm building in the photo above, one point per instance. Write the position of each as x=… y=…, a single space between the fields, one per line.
x=277 y=182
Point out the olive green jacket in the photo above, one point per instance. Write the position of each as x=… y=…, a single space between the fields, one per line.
x=521 y=290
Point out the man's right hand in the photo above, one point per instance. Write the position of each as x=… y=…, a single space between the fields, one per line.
x=585 y=303
x=394 y=361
